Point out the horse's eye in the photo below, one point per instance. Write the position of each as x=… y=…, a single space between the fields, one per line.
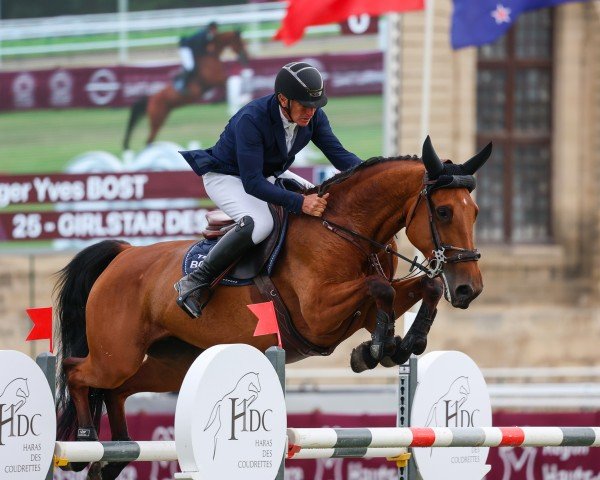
x=444 y=213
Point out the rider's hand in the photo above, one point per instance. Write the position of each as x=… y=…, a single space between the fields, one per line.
x=314 y=205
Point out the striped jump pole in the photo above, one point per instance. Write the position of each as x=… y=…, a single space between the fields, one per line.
x=393 y=437
x=149 y=451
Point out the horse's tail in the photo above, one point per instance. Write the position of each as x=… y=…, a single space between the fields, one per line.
x=138 y=110
x=71 y=291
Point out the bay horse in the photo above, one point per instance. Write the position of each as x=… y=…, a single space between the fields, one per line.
x=209 y=73
x=121 y=331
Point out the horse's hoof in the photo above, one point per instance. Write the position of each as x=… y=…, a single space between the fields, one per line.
x=361 y=359
x=112 y=470
x=376 y=351
x=403 y=351
x=95 y=471
x=413 y=344
x=419 y=346
x=387 y=362
x=76 y=466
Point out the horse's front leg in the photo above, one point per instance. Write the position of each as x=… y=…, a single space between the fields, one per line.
x=415 y=340
x=368 y=354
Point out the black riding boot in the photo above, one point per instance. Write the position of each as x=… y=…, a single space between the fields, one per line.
x=194 y=288
x=182 y=80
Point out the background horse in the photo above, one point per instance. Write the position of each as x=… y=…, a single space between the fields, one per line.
x=210 y=73
x=121 y=331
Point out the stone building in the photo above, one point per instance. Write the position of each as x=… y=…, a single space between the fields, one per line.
x=536 y=94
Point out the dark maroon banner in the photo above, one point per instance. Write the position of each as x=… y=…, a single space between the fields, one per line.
x=117 y=86
x=85 y=225
x=59 y=188
x=542 y=463
x=125 y=205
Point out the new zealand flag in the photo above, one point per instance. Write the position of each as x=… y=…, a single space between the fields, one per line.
x=476 y=22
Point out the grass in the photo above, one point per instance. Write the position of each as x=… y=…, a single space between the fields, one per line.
x=44 y=141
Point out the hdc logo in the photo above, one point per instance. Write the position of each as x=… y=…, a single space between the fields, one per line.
x=16 y=425
x=458 y=417
x=250 y=420
x=234 y=406
x=13 y=397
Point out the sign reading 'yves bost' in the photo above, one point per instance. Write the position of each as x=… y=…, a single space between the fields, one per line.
x=230 y=420
x=27 y=419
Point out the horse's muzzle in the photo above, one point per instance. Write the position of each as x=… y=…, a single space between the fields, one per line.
x=463 y=295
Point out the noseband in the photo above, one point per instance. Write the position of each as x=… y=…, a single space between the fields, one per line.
x=436 y=263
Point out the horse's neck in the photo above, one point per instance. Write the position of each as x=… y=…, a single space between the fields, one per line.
x=376 y=201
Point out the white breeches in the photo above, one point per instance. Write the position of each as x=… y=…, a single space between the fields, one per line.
x=187 y=58
x=229 y=195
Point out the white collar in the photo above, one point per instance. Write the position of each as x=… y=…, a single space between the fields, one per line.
x=286 y=123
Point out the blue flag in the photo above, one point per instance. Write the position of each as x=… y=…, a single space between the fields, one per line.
x=476 y=22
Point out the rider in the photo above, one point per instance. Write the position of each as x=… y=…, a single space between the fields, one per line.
x=259 y=144
x=200 y=43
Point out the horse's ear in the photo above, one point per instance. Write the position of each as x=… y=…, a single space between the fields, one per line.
x=432 y=162
x=475 y=163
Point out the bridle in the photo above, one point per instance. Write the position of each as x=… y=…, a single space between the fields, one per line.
x=436 y=263
x=433 y=266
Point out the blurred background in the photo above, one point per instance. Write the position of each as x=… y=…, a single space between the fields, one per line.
x=71 y=71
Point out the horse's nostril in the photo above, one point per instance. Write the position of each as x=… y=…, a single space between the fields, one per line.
x=464 y=291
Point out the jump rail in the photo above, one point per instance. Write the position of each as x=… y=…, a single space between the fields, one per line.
x=350 y=442
x=150 y=451
x=390 y=437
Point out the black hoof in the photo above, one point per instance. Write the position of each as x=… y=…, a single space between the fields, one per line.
x=387 y=362
x=76 y=467
x=361 y=359
x=112 y=470
x=95 y=472
x=401 y=353
x=414 y=343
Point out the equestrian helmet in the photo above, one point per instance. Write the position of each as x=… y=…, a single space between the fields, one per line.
x=301 y=82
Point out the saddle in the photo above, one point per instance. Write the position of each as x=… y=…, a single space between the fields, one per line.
x=258 y=259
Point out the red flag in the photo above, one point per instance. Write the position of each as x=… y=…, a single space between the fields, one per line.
x=267 y=319
x=303 y=13
x=42 y=324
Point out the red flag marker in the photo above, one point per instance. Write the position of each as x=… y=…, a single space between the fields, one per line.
x=303 y=13
x=42 y=324
x=267 y=319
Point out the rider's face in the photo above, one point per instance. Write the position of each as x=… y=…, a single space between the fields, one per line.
x=299 y=114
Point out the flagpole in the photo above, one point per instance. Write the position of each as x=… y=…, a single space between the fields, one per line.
x=391 y=96
x=425 y=100
x=427 y=60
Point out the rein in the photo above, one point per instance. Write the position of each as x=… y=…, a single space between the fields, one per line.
x=435 y=265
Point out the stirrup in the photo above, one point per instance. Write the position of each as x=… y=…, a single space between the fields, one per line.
x=191 y=309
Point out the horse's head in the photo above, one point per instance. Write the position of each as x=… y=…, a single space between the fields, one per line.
x=232 y=39
x=441 y=220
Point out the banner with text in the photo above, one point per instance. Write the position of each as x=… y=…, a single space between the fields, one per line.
x=137 y=204
x=118 y=86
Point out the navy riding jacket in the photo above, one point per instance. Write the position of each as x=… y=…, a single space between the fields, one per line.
x=252 y=146
x=197 y=42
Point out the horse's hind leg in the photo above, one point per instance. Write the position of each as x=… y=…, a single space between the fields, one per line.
x=157 y=374
x=157 y=114
x=88 y=379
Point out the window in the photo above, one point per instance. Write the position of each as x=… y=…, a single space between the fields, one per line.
x=514 y=109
